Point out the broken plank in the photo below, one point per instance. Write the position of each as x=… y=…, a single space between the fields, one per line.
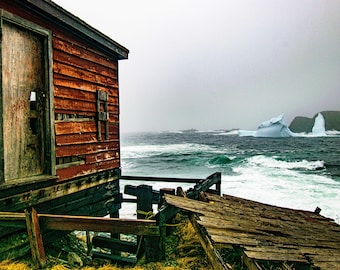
x=214 y=256
x=98 y=224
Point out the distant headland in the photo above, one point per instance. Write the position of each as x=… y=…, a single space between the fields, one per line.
x=305 y=124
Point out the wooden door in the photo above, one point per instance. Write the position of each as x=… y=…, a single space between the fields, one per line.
x=23 y=94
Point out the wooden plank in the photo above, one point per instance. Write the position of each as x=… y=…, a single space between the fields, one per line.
x=35 y=238
x=82 y=74
x=326 y=265
x=266 y=232
x=74 y=92
x=28 y=198
x=81 y=107
x=86 y=148
x=78 y=93
x=75 y=84
x=12 y=219
x=86 y=202
x=272 y=240
x=87 y=169
x=81 y=62
x=65 y=128
x=159 y=179
x=280 y=213
x=262 y=227
x=239 y=214
x=102 y=156
x=60 y=44
x=79 y=138
x=70 y=139
x=215 y=258
x=97 y=224
x=75 y=105
x=270 y=255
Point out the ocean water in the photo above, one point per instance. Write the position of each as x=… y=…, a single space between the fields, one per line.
x=299 y=173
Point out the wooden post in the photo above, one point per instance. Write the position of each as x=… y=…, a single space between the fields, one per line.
x=144 y=205
x=218 y=184
x=115 y=235
x=144 y=200
x=35 y=238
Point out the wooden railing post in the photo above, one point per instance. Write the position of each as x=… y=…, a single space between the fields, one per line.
x=144 y=201
x=35 y=238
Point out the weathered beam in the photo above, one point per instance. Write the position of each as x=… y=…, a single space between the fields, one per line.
x=83 y=223
x=214 y=256
x=35 y=238
x=28 y=198
x=205 y=184
x=98 y=224
x=160 y=179
x=115 y=244
x=60 y=44
x=12 y=219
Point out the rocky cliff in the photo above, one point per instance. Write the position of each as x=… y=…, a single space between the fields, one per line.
x=305 y=124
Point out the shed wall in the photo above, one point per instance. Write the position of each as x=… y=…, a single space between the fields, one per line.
x=79 y=73
x=80 y=70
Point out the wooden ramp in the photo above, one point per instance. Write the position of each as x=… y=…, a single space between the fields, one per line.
x=263 y=234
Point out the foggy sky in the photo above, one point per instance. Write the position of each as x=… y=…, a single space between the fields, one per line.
x=220 y=64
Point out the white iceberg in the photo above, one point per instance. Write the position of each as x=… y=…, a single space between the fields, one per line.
x=277 y=128
x=319 y=128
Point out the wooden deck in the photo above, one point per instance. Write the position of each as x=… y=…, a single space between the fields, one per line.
x=262 y=233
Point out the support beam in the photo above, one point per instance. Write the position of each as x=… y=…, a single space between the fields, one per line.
x=35 y=238
x=98 y=224
x=84 y=223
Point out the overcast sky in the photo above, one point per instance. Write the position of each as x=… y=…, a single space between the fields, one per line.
x=220 y=64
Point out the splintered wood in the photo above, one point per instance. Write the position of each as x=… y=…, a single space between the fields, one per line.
x=266 y=233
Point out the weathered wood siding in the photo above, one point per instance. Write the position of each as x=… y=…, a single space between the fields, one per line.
x=78 y=73
x=80 y=69
x=22 y=75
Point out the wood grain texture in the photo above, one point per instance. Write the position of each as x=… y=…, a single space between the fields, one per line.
x=266 y=232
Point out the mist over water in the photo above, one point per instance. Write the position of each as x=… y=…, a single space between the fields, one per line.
x=299 y=173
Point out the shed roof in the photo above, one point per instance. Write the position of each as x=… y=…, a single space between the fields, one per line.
x=264 y=232
x=66 y=20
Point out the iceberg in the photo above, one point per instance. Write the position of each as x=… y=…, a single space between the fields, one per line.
x=319 y=128
x=277 y=128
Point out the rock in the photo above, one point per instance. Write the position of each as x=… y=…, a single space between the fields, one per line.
x=74 y=259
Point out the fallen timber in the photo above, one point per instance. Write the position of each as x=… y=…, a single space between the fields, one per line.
x=262 y=233
x=154 y=231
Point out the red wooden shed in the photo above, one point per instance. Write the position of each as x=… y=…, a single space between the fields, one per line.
x=59 y=130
